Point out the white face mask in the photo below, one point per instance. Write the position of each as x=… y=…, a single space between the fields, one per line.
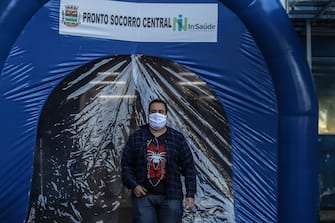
x=157 y=120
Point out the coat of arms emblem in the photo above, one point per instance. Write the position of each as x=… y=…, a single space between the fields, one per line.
x=71 y=16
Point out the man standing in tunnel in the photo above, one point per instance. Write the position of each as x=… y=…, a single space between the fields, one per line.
x=153 y=161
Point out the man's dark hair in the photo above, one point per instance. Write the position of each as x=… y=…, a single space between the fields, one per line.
x=158 y=101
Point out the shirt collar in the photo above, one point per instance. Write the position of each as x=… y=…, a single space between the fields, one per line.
x=161 y=138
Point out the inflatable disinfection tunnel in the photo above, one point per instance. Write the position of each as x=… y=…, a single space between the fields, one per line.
x=76 y=79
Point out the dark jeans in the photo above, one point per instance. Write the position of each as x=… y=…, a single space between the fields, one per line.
x=155 y=209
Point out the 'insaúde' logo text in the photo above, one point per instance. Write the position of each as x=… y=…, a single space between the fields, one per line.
x=181 y=23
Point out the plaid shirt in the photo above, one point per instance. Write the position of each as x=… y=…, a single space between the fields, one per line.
x=179 y=162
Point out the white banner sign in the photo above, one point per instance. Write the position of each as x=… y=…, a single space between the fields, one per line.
x=140 y=22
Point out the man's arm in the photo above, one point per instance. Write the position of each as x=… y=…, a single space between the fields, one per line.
x=127 y=168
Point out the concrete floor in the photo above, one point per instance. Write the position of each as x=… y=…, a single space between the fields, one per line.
x=327 y=216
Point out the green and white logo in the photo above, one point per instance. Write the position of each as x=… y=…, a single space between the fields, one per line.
x=179 y=23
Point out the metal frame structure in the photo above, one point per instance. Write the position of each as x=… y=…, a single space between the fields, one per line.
x=312 y=18
x=319 y=13
x=311 y=9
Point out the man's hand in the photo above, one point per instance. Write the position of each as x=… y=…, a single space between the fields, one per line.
x=189 y=203
x=140 y=191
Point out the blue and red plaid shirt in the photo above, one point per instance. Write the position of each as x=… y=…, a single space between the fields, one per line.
x=179 y=162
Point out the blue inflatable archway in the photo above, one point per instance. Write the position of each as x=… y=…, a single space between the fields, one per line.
x=294 y=88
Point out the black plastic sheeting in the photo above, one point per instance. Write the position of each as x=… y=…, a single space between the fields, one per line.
x=87 y=120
